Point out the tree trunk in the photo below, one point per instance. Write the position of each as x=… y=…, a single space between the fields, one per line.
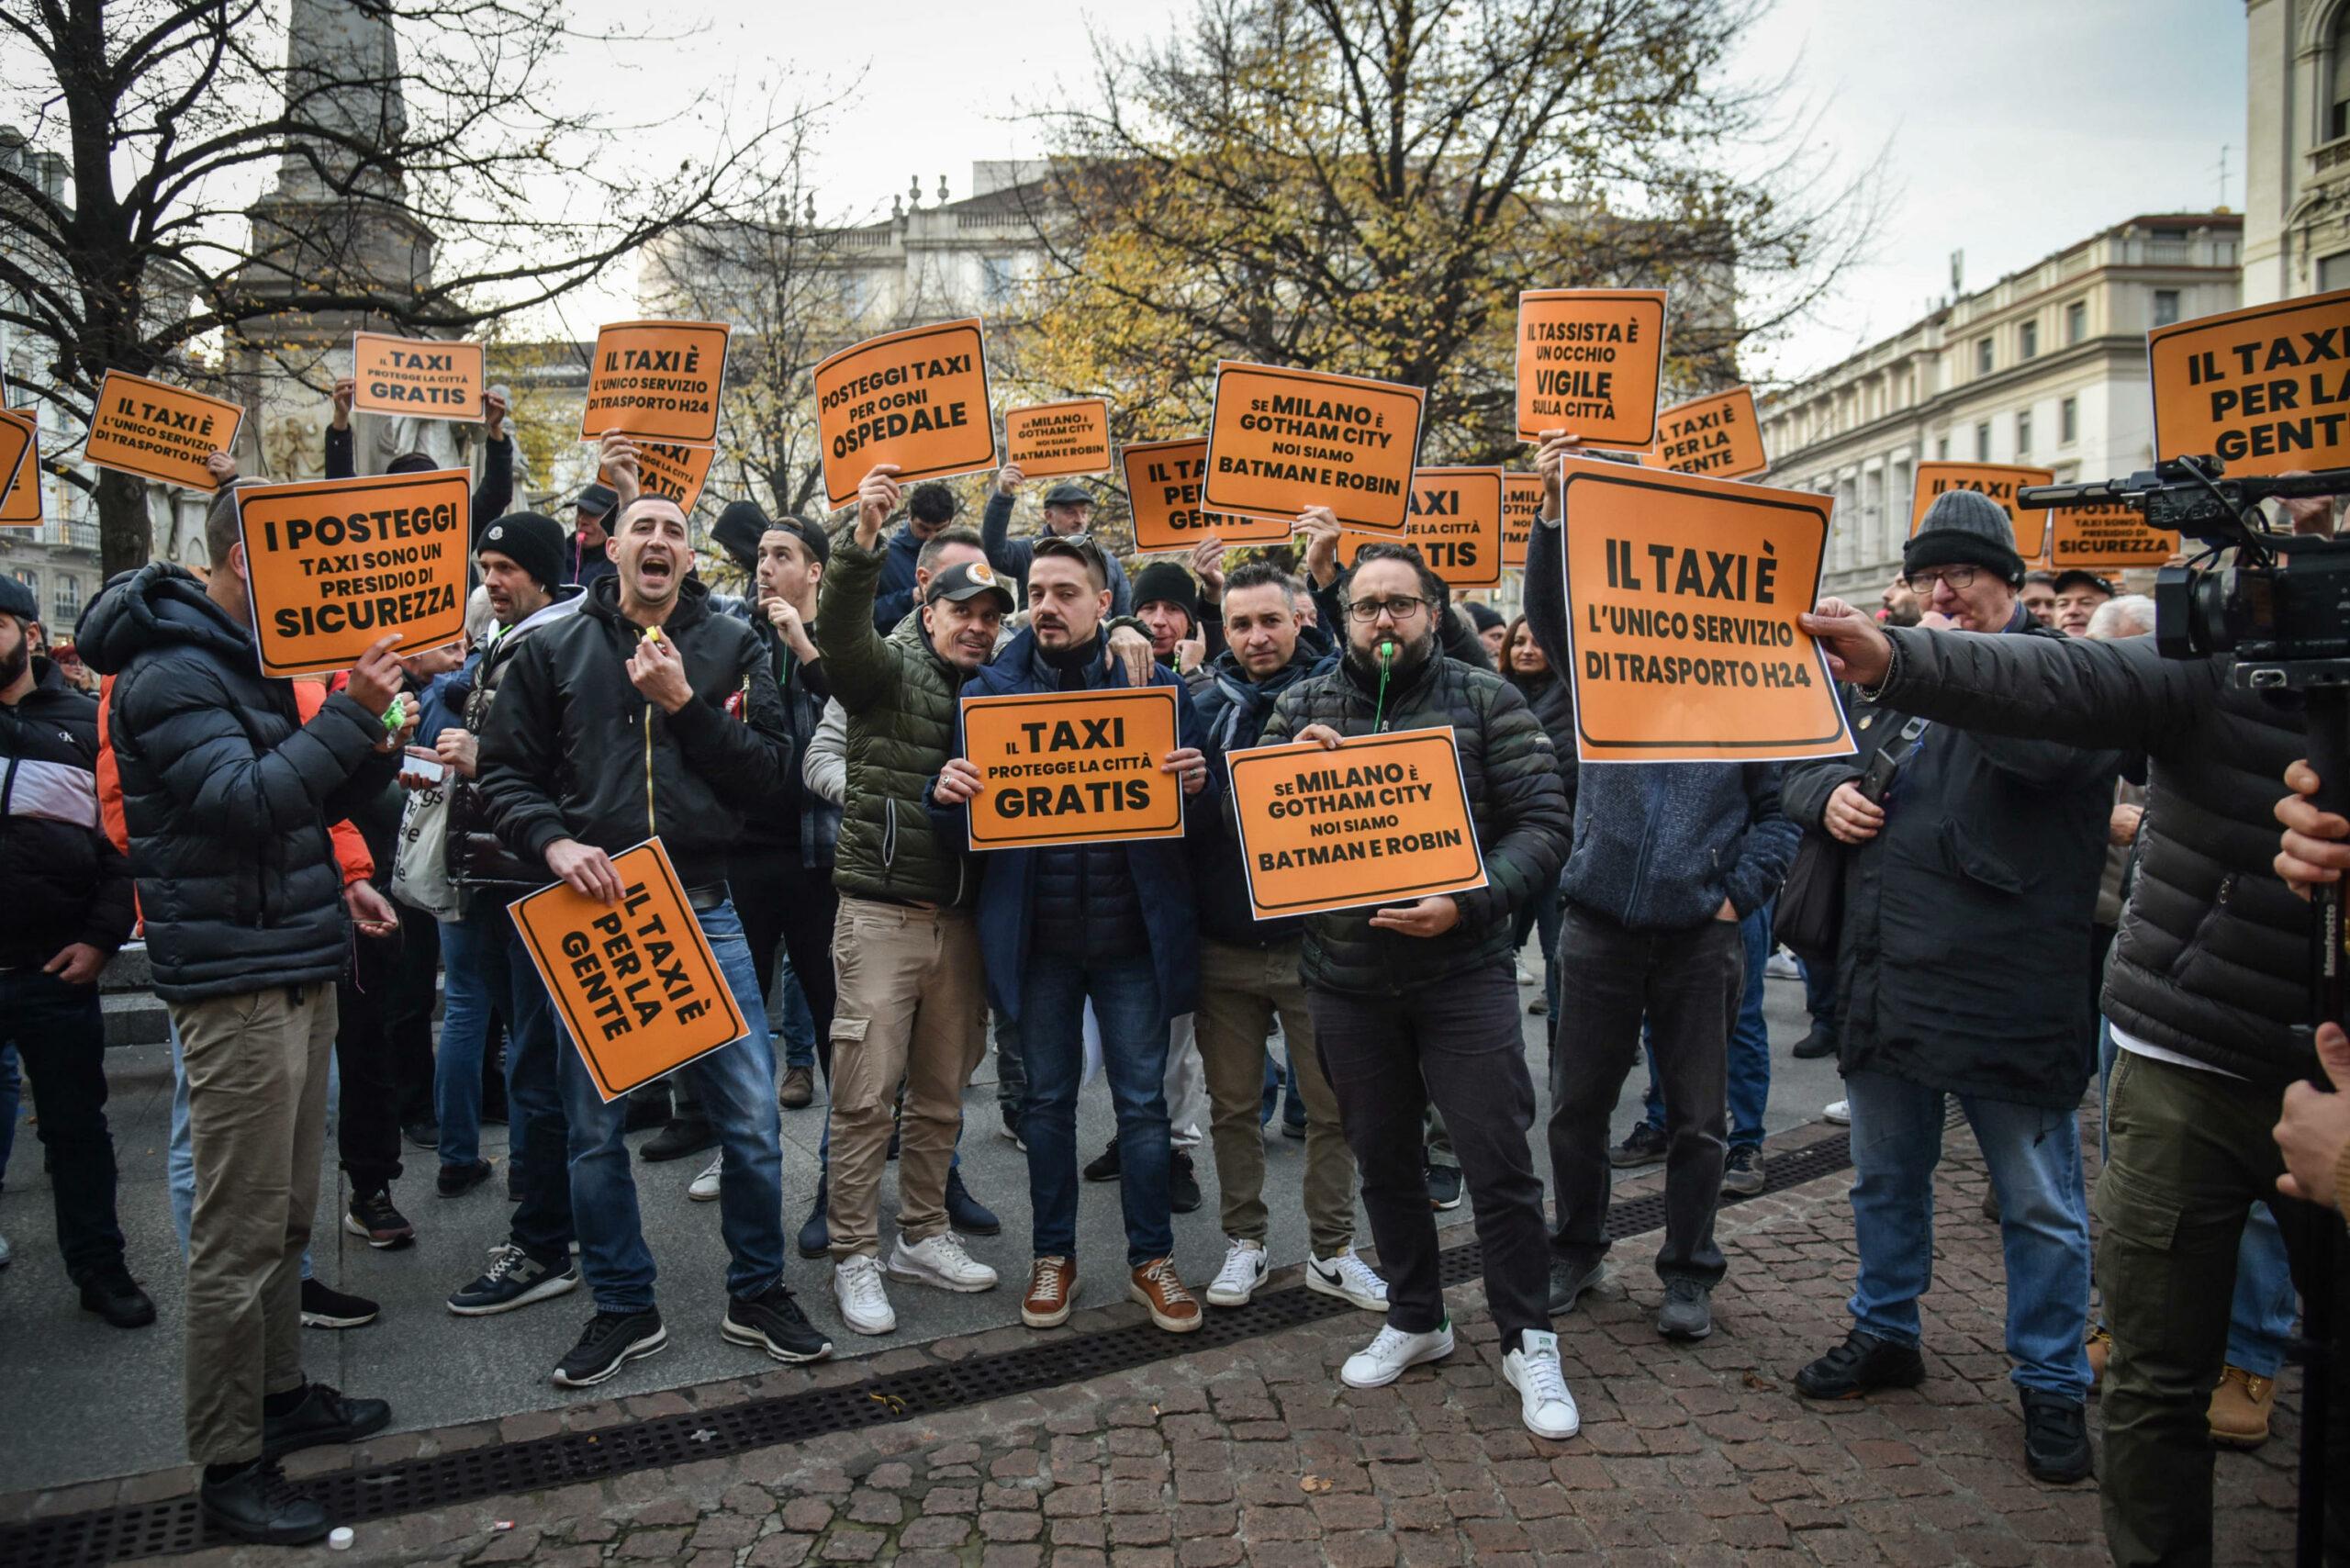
x=126 y=538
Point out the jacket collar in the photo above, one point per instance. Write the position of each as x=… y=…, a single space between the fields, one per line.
x=602 y=601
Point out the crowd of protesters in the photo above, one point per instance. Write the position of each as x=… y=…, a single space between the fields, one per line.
x=2048 y=862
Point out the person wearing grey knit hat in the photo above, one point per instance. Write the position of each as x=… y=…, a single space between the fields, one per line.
x=1962 y=566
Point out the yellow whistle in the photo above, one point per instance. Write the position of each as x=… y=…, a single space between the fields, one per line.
x=652 y=635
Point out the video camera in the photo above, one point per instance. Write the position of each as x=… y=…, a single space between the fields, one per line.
x=2285 y=616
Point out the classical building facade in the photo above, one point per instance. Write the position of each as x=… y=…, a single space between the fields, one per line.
x=2046 y=367
x=2297 y=141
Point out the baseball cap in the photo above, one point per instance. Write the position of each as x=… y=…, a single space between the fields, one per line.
x=968 y=579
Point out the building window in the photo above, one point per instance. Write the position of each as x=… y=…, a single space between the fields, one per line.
x=2077 y=321
x=1942 y=449
x=2334 y=271
x=69 y=603
x=1983 y=358
x=1901 y=501
x=31 y=579
x=1983 y=441
x=2166 y=306
x=2337 y=82
x=2068 y=420
x=2028 y=340
x=2023 y=434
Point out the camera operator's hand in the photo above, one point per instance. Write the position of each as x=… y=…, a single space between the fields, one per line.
x=2306 y=514
x=2315 y=1126
x=1857 y=650
x=1851 y=817
x=2313 y=849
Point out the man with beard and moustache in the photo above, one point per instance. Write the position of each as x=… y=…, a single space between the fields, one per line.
x=1248 y=975
x=1112 y=924
x=521 y=558
x=645 y=714
x=1418 y=1001
x=69 y=908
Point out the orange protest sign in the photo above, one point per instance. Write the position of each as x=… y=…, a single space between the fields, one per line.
x=1521 y=504
x=1163 y=494
x=1682 y=598
x=917 y=398
x=2105 y=537
x=638 y=986
x=1072 y=767
x=423 y=377
x=1589 y=362
x=335 y=564
x=1054 y=441
x=1281 y=441
x=2266 y=390
x=20 y=462
x=1717 y=436
x=1381 y=819
x=1455 y=525
x=657 y=381
x=2000 y=481
x=158 y=431
x=678 y=473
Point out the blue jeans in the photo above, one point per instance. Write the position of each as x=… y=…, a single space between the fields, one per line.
x=1749 y=1063
x=473 y=957
x=1819 y=998
x=2034 y=1154
x=488 y=968
x=796 y=1023
x=737 y=1088
x=179 y=1158
x=1125 y=992
x=2260 y=1319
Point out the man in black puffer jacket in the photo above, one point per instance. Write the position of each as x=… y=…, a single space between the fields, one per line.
x=227 y=797
x=1418 y=1002
x=68 y=909
x=2208 y=991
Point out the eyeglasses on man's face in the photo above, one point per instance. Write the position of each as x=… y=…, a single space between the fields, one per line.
x=1399 y=610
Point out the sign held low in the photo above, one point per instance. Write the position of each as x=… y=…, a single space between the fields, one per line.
x=1379 y=820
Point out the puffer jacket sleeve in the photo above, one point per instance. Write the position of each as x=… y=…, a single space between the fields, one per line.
x=2105 y=696
x=521 y=753
x=825 y=772
x=1528 y=810
x=858 y=659
x=951 y=825
x=187 y=725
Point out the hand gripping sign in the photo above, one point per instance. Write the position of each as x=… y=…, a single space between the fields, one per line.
x=1281 y=441
x=1714 y=436
x=159 y=432
x=335 y=564
x=1163 y=496
x=1455 y=525
x=2000 y=481
x=425 y=378
x=1380 y=819
x=638 y=988
x=1682 y=598
x=657 y=381
x=1072 y=767
x=917 y=398
x=19 y=468
x=2266 y=390
x=1589 y=362
x=1059 y=441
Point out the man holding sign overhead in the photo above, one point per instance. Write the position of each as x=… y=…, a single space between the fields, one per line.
x=1417 y=1001
x=647 y=714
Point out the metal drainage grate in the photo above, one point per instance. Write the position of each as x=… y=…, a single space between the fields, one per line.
x=352 y=1496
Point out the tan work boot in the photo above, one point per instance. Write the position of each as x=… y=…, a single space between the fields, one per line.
x=2240 y=1406
x=1052 y=1291
x=2100 y=1347
x=1158 y=1287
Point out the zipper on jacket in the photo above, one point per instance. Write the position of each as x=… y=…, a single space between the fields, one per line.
x=649 y=828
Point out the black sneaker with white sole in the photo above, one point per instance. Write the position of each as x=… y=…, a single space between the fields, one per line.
x=1444 y=1187
x=1743 y=1170
x=609 y=1342
x=772 y=1322
x=323 y=1306
x=514 y=1279
x=372 y=1217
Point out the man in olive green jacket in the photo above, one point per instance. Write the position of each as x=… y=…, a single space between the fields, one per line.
x=905 y=947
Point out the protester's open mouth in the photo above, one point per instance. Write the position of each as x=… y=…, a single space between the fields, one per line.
x=653 y=570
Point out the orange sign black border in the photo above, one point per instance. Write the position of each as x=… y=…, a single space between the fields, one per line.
x=1357 y=744
x=1001 y=702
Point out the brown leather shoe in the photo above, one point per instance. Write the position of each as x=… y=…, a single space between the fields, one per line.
x=2100 y=1348
x=798 y=1089
x=1158 y=1287
x=2241 y=1407
x=1052 y=1291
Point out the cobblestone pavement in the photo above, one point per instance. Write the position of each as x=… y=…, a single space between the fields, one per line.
x=1255 y=1454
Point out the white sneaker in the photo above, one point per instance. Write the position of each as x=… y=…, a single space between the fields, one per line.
x=1781 y=965
x=1525 y=975
x=939 y=1260
x=1388 y=1357
x=857 y=1291
x=1347 y=1275
x=1836 y=1113
x=1245 y=1267
x=1543 y=1402
x=705 y=1186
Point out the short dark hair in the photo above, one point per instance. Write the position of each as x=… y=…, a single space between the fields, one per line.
x=2044 y=580
x=1078 y=548
x=933 y=503
x=1258 y=574
x=1431 y=586
x=220 y=531
x=411 y=462
x=926 y=558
